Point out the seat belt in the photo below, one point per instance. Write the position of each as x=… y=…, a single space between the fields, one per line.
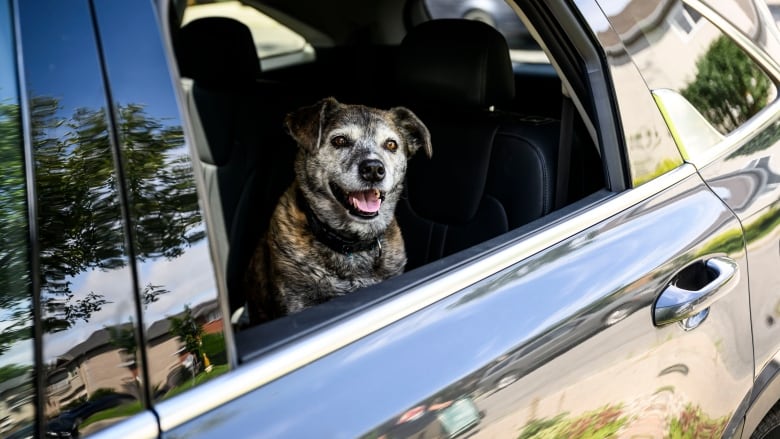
x=564 y=150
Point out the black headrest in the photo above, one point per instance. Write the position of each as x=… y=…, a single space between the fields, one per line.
x=217 y=52
x=452 y=61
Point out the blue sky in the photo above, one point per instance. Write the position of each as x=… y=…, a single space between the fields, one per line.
x=61 y=56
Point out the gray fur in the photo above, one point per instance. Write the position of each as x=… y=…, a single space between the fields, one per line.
x=291 y=269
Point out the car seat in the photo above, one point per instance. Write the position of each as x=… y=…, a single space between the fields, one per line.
x=244 y=153
x=491 y=170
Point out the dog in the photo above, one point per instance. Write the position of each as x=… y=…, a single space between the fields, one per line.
x=334 y=229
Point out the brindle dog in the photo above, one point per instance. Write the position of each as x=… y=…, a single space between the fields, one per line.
x=334 y=229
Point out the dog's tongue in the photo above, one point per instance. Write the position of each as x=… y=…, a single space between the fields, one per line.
x=366 y=201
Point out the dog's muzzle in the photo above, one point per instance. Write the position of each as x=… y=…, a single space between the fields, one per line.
x=364 y=204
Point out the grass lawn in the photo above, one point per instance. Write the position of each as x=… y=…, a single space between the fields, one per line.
x=216 y=370
x=126 y=410
x=121 y=411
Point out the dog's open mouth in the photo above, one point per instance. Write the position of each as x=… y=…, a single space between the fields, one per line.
x=364 y=204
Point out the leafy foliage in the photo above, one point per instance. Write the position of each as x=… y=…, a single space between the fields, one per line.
x=15 y=301
x=729 y=88
x=693 y=424
x=189 y=331
x=122 y=337
x=80 y=218
x=12 y=371
x=79 y=213
x=597 y=424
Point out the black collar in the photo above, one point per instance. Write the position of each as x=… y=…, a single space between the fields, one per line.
x=331 y=238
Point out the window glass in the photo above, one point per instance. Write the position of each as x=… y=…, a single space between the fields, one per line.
x=91 y=364
x=650 y=148
x=181 y=315
x=497 y=13
x=17 y=388
x=277 y=46
x=680 y=50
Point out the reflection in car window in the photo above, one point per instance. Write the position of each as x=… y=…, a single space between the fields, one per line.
x=277 y=46
x=17 y=388
x=682 y=51
x=523 y=49
x=181 y=316
x=92 y=369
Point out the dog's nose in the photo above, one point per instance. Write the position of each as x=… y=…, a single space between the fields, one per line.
x=372 y=170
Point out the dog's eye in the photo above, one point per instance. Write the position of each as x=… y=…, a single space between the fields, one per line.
x=339 y=141
x=391 y=145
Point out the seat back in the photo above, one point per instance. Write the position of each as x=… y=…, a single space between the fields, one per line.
x=491 y=171
x=237 y=137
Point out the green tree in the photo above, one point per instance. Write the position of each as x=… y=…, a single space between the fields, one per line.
x=123 y=338
x=11 y=371
x=79 y=215
x=189 y=332
x=15 y=300
x=729 y=88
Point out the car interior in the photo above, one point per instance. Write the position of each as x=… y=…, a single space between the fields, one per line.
x=510 y=147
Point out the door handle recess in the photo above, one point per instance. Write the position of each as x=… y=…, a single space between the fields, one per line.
x=694 y=290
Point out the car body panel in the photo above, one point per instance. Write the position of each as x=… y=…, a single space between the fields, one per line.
x=740 y=168
x=587 y=337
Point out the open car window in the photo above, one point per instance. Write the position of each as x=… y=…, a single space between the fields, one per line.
x=476 y=192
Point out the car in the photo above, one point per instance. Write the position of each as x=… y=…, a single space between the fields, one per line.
x=592 y=247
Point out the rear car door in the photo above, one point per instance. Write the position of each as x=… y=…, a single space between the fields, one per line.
x=732 y=137
x=617 y=314
x=108 y=298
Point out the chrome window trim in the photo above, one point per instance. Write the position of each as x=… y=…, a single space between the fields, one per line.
x=220 y=277
x=765 y=117
x=25 y=117
x=244 y=379
x=760 y=122
x=140 y=426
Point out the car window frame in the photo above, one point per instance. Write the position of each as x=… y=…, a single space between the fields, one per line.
x=566 y=29
x=33 y=264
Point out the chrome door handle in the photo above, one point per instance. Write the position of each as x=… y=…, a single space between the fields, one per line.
x=680 y=303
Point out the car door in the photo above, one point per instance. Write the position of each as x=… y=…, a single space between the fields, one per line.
x=626 y=312
x=101 y=226
x=738 y=155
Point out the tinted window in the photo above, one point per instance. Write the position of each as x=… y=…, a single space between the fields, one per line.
x=16 y=334
x=676 y=48
x=181 y=315
x=91 y=364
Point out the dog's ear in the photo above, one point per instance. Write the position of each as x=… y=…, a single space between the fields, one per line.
x=417 y=134
x=306 y=123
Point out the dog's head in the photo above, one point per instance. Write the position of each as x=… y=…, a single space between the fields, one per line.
x=352 y=161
